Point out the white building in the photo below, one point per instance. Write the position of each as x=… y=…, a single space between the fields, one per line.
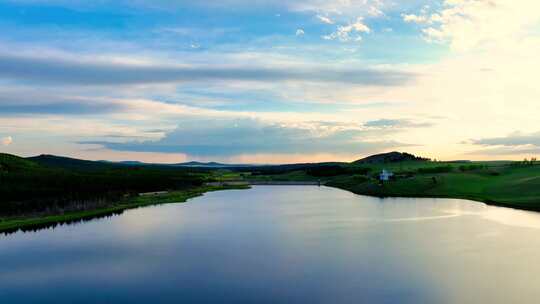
x=385 y=175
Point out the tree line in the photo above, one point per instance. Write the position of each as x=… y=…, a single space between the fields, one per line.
x=29 y=188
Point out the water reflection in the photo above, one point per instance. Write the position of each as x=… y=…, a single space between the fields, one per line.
x=45 y=226
x=512 y=217
x=281 y=245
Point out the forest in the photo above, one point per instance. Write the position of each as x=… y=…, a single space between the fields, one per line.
x=35 y=186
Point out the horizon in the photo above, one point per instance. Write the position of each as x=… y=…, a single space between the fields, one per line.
x=161 y=162
x=269 y=82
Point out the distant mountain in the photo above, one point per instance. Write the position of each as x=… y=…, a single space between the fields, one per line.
x=54 y=161
x=209 y=165
x=391 y=157
x=192 y=164
x=129 y=163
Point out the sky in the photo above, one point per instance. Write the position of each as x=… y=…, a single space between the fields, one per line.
x=265 y=81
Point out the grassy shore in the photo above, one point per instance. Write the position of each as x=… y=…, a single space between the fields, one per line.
x=29 y=223
x=504 y=184
x=515 y=187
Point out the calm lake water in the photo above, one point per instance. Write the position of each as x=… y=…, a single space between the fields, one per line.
x=282 y=244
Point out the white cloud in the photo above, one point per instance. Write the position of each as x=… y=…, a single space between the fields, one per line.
x=6 y=141
x=396 y=124
x=414 y=18
x=229 y=137
x=350 y=32
x=359 y=26
x=374 y=11
x=468 y=24
x=325 y=19
x=342 y=9
x=300 y=32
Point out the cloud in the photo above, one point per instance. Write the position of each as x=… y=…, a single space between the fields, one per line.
x=29 y=100
x=226 y=137
x=20 y=103
x=467 y=24
x=349 y=32
x=513 y=144
x=414 y=18
x=342 y=9
x=375 y=11
x=325 y=19
x=73 y=72
x=512 y=140
x=262 y=71
x=300 y=32
x=396 y=124
x=6 y=141
x=62 y=108
x=507 y=151
x=57 y=102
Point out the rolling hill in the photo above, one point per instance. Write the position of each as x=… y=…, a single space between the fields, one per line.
x=391 y=157
x=53 y=161
x=11 y=163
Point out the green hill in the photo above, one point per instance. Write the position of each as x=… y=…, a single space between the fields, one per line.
x=53 y=161
x=10 y=163
x=52 y=184
x=391 y=157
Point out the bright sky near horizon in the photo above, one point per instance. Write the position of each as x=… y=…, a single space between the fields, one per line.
x=265 y=81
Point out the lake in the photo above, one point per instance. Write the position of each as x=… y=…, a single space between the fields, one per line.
x=282 y=244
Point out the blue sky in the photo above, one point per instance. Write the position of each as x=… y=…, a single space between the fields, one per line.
x=294 y=80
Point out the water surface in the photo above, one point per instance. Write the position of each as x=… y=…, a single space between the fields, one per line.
x=282 y=244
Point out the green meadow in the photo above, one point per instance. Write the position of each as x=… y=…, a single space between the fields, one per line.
x=503 y=183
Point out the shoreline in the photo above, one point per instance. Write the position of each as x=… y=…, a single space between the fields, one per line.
x=14 y=224
x=473 y=198
x=488 y=202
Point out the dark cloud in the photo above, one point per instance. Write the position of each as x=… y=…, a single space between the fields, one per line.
x=60 y=108
x=248 y=136
x=34 y=103
x=48 y=70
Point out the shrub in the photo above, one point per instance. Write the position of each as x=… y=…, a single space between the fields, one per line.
x=464 y=168
x=330 y=170
x=439 y=169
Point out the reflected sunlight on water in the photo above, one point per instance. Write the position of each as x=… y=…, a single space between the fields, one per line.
x=281 y=244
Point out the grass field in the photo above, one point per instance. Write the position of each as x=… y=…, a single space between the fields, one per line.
x=499 y=183
x=503 y=185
